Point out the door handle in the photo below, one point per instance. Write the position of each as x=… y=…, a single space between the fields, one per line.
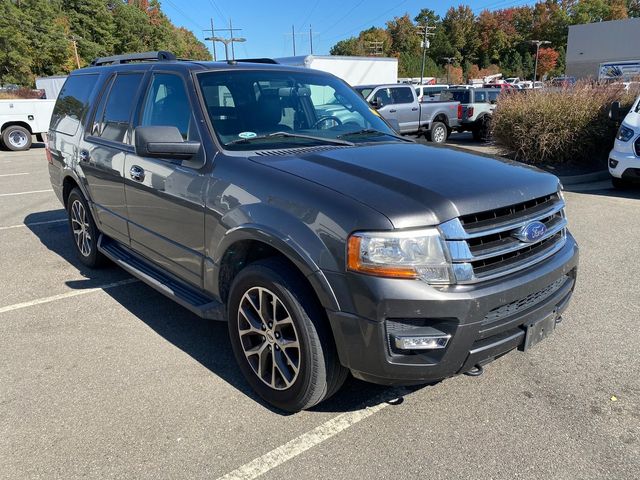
x=414 y=109
x=137 y=173
x=392 y=111
x=84 y=156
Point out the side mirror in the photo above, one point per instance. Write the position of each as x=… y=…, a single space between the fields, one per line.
x=164 y=142
x=393 y=123
x=375 y=103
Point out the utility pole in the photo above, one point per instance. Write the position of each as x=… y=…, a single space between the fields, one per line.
x=213 y=42
x=226 y=41
x=425 y=32
x=537 y=43
x=293 y=37
x=310 y=39
x=74 y=40
x=449 y=60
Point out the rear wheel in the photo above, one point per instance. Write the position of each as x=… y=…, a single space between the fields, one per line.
x=438 y=132
x=83 y=230
x=482 y=130
x=280 y=337
x=16 y=138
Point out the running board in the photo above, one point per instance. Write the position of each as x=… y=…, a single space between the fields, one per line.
x=164 y=283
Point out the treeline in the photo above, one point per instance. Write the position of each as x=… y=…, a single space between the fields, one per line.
x=37 y=36
x=490 y=42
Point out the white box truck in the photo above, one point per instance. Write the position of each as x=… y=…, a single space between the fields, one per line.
x=353 y=70
x=22 y=118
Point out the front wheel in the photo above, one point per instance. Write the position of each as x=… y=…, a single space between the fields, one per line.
x=83 y=230
x=281 y=338
x=482 y=130
x=438 y=132
x=620 y=183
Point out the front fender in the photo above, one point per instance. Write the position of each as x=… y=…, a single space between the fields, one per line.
x=293 y=236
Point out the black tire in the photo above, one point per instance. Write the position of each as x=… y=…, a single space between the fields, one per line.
x=438 y=133
x=482 y=130
x=319 y=373
x=86 y=246
x=621 y=183
x=16 y=138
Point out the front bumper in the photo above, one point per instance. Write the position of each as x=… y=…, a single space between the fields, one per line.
x=625 y=162
x=484 y=321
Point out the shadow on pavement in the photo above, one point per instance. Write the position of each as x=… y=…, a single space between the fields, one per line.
x=605 y=189
x=205 y=341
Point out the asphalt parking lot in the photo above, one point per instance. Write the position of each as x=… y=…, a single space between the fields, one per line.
x=102 y=377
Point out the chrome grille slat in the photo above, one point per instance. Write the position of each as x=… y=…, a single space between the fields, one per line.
x=481 y=250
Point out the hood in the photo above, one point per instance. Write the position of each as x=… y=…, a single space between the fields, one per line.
x=414 y=185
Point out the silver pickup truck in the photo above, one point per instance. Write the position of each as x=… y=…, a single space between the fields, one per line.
x=398 y=102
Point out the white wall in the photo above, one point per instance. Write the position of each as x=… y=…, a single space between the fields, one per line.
x=353 y=70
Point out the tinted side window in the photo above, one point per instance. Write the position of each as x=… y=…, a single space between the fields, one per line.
x=493 y=96
x=72 y=103
x=402 y=95
x=167 y=104
x=113 y=121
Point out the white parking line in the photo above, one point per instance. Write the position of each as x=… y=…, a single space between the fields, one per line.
x=304 y=442
x=12 y=174
x=33 y=224
x=73 y=293
x=24 y=193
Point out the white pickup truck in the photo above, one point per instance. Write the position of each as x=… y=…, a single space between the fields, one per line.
x=20 y=119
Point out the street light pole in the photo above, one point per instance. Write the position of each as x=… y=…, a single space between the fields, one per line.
x=537 y=43
x=226 y=42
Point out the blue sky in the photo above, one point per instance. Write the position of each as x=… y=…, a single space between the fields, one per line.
x=267 y=24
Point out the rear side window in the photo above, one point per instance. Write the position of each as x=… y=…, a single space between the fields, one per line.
x=402 y=95
x=480 y=97
x=114 y=112
x=73 y=103
x=462 y=96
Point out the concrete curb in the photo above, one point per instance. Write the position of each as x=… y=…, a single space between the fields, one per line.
x=586 y=178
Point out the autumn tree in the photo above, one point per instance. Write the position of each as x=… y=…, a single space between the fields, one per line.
x=547 y=61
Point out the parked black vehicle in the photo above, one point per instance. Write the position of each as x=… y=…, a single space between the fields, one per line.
x=328 y=246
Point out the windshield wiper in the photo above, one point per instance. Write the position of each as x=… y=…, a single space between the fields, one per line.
x=333 y=141
x=369 y=131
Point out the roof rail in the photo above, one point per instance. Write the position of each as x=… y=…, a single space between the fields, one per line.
x=257 y=60
x=160 y=56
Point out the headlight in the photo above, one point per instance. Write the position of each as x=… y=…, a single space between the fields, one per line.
x=625 y=134
x=412 y=254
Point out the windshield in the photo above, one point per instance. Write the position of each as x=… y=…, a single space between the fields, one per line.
x=364 y=91
x=302 y=108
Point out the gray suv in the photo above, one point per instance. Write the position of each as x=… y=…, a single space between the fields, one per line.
x=328 y=246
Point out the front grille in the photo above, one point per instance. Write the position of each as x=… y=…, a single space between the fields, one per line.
x=484 y=245
x=636 y=146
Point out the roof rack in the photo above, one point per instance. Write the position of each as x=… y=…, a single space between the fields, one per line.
x=160 y=56
x=257 y=60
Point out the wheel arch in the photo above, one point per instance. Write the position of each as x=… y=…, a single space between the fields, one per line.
x=248 y=243
x=18 y=123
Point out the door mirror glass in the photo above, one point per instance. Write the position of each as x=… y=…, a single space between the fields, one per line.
x=164 y=142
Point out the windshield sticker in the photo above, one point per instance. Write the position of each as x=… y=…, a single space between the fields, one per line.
x=247 y=135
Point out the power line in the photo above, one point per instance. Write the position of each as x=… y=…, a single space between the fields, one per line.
x=369 y=22
x=306 y=19
x=217 y=9
x=345 y=15
x=184 y=15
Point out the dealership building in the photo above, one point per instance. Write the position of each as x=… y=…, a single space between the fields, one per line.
x=604 y=49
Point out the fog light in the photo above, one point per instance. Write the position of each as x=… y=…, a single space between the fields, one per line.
x=613 y=163
x=422 y=342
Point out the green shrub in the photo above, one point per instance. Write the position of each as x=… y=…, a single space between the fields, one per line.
x=555 y=126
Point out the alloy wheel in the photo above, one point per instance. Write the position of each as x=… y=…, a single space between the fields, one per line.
x=269 y=338
x=81 y=228
x=439 y=136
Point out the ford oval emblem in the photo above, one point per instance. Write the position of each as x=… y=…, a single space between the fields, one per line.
x=531 y=232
